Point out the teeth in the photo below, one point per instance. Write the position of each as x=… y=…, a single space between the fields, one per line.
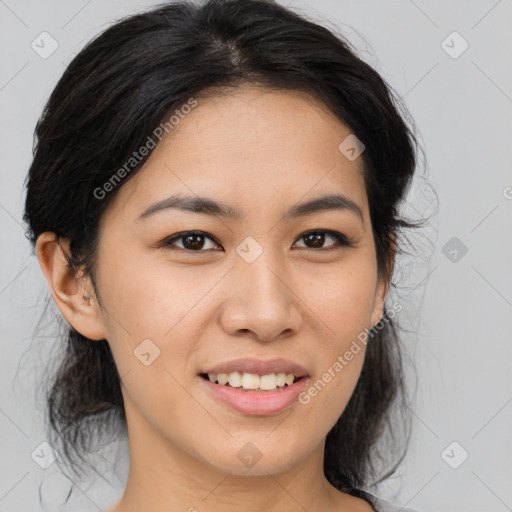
x=268 y=382
x=222 y=378
x=235 y=380
x=249 y=381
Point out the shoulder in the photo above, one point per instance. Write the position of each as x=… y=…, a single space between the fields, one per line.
x=382 y=505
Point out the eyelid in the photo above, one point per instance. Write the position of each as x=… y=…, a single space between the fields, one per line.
x=166 y=242
x=343 y=241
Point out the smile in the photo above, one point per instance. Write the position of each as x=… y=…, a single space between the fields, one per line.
x=251 y=398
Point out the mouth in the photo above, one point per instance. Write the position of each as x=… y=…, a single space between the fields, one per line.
x=253 y=383
x=253 y=394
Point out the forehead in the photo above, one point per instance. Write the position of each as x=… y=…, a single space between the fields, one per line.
x=253 y=148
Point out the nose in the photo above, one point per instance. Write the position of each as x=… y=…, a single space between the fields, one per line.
x=261 y=300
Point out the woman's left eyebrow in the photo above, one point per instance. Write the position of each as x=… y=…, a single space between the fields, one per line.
x=208 y=206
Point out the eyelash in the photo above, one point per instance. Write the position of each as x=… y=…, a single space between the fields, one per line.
x=342 y=240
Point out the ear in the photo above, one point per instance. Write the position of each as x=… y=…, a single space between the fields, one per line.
x=382 y=287
x=73 y=294
x=378 y=303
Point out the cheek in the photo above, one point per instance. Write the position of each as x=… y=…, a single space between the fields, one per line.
x=145 y=300
x=343 y=302
x=153 y=320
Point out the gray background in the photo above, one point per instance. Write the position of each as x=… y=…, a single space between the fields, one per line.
x=458 y=305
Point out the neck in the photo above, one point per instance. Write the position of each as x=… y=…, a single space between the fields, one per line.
x=164 y=477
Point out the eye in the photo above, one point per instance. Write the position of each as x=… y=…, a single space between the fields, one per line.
x=317 y=239
x=195 y=241
x=192 y=241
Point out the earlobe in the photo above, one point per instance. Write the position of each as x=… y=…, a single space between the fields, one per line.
x=72 y=293
x=378 y=307
x=383 y=285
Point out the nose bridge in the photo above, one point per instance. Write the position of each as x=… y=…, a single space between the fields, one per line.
x=258 y=268
x=260 y=300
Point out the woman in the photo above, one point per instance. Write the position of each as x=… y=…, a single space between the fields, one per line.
x=213 y=201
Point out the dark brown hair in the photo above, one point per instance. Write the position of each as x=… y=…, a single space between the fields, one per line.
x=110 y=99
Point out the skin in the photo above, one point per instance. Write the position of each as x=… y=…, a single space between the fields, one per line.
x=262 y=151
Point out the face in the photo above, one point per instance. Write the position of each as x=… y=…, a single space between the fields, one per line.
x=272 y=282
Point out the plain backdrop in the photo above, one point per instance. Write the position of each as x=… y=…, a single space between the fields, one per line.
x=451 y=62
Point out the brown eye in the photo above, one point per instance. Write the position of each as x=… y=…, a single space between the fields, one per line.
x=197 y=241
x=193 y=241
x=316 y=239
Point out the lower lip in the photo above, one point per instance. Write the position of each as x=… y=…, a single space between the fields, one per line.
x=254 y=402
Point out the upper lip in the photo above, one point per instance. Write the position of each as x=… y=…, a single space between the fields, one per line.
x=259 y=366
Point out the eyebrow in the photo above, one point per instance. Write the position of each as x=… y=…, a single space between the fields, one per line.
x=207 y=206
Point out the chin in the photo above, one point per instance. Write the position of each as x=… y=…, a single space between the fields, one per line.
x=249 y=460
